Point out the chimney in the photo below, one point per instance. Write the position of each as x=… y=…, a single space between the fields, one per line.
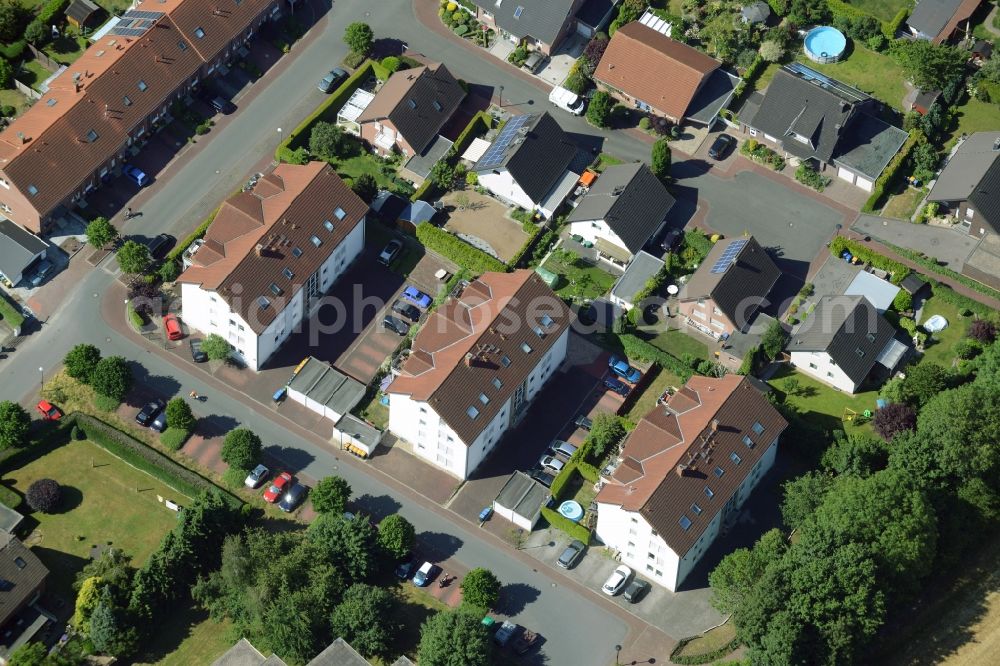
x=680 y=469
x=259 y=250
x=715 y=425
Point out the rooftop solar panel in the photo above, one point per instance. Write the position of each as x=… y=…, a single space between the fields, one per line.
x=495 y=153
x=138 y=13
x=729 y=255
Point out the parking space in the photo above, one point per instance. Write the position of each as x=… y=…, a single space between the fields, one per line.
x=559 y=64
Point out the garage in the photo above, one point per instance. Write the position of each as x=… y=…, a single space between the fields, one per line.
x=521 y=500
x=846 y=174
x=864 y=183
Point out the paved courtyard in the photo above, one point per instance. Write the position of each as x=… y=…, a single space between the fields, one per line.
x=948 y=245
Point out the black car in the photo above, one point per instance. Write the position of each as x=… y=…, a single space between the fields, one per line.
x=409 y=311
x=160 y=245
x=159 y=424
x=396 y=325
x=672 y=240
x=222 y=105
x=405 y=567
x=197 y=355
x=150 y=412
x=572 y=554
x=635 y=591
x=291 y=499
x=721 y=146
x=541 y=477
x=332 y=80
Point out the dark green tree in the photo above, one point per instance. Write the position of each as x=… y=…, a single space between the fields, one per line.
x=111 y=631
x=364 y=618
x=331 y=495
x=216 y=347
x=735 y=576
x=81 y=361
x=442 y=175
x=599 y=109
x=454 y=638
x=327 y=140
x=366 y=187
x=605 y=432
x=133 y=257
x=12 y=16
x=396 y=536
x=802 y=495
x=100 y=232
x=179 y=414
x=857 y=455
x=37 y=33
x=929 y=66
x=773 y=340
x=660 y=160
x=923 y=382
x=290 y=630
x=113 y=566
x=14 y=425
x=481 y=588
x=808 y=12
x=359 y=37
x=112 y=377
x=6 y=73
x=352 y=544
x=241 y=448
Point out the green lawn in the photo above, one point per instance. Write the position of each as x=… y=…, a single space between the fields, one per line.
x=884 y=10
x=578 y=279
x=105 y=502
x=188 y=636
x=32 y=73
x=66 y=49
x=903 y=204
x=353 y=167
x=11 y=97
x=604 y=160
x=820 y=404
x=657 y=385
x=973 y=116
x=941 y=350
x=765 y=77
x=871 y=72
x=374 y=412
x=678 y=343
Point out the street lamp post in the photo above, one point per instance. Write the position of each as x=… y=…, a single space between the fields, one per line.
x=618 y=649
x=500 y=96
x=279 y=135
x=41 y=378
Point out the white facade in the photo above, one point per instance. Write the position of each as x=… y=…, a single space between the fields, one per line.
x=822 y=367
x=647 y=553
x=501 y=184
x=434 y=441
x=207 y=312
x=591 y=230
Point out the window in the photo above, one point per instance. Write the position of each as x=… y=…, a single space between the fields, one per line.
x=758 y=427
x=748 y=441
x=719 y=472
x=423 y=410
x=51 y=101
x=20 y=563
x=316 y=241
x=634 y=520
x=472 y=412
x=696 y=509
x=829 y=374
x=708 y=491
x=735 y=458
x=296 y=252
x=263 y=302
x=483 y=398
x=142 y=85
x=288 y=273
x=860 y=352
x=32 y=190
x=328 y=225
x=659 y=573
x=276 y=290
x=199 y=33
x=497 y=383
x=699 y=314
x=437 y=106
x=547 y=321
x=126 y=101
x=182 y=45
x=685 y=523
x=871 y=337
x=339 y=213
x=650 y=556
x=631 y=544
x=518 y=11
x=505 y=361
x=814 y=366
x=525 y=347
x=538 y=332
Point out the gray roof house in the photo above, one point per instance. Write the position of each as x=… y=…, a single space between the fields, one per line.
x=755 y=12
x=19 y=248
x=969 y=183
x=542 y=22
x=642 y=267
x=625 y=207
x=24 y=576
x=521 y=500
x=338 y=653
x=813 y=117
x=528 y=163
x=938 y=20
x=842 y=340
x=595 y=15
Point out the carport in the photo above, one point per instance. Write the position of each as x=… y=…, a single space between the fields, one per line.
x=521 y=500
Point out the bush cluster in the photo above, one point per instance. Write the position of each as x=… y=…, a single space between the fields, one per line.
x=457 y=250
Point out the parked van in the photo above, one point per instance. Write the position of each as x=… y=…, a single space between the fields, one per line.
x=566 y=100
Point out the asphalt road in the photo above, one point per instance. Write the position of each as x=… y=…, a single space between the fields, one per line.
x=577 y=629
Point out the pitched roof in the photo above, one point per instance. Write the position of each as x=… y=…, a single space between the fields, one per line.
x=284 y=212
x=756 y=12
x=483 y=343
x=18 y=248
x=327 y=386
x=986 y=197
x=418 y=101
x=89 y=110
x=744 y=280
x=339 y=653
x=21 y=573
x=698 y=431
x=653 y=68
x=536 y=155
x=966 y=167
x=630 y=199
x=81 y=11
x=541 y=19
x=642 y=267
x=849 y=329
x=938 y=18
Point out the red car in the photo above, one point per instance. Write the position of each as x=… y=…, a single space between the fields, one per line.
x=173 y=327
x=277 y=487
x=48 y=411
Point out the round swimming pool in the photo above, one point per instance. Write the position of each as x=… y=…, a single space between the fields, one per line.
x=571 y=510
x=825 y=44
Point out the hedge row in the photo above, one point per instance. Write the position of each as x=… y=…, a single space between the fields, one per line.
x=750 y=76
x=561 y=522
x=529 y=244
x=327 y=111
x=961 y=301
x=892 y=27
x=147 y=459
x=49 y=11
x=864 y=253
x=637 y=348
x=562 y=478
x=706 y=658
x=198 y=233
x=9 y=311
x=934 y=266
x=479 y=125
x=890 y=172
x=456 y=249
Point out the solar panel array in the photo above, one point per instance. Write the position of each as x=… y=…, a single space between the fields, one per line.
x=494 y=155
x=837 y=87
x=729 y=255
x=135 y=23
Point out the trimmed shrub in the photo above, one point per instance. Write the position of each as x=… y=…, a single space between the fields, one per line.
x=561 y=522
x=839 y=244
x=982 y=331
x=174 y=438
x=892 y=27
x=640 y=350
x=198 y=233
x=43 y=495
x=967 y=348
x=454 y=248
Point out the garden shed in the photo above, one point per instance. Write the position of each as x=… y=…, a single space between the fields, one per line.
x=83 y=14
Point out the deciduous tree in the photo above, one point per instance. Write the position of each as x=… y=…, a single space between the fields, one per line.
x=364 y=618
x=893 y=419
x=481 y=588
x=366 y=187
x=216 y=347
x=359 y=37
x=929 y=66
x=81 y=361
x=353 y=544
x=112 y=377
x=100 y=232
x=241 y=448
x=179 y=414
x=802 y=495
x=660 y=160
x=327 y=140
x=14 y=425
x=331 y=495
x=599 y=109
x=396 y=535
x=133 y=257
x=454 y=638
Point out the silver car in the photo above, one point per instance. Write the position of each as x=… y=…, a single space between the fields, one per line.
x=256 y=476
x=551 y=462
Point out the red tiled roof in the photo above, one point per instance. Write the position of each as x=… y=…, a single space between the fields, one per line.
x=700 y=427
x=653 y=68
x=459 y=353
x=283 y=212
x=964 y=11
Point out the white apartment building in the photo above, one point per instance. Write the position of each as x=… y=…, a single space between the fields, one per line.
x=684 y=473
x=475 y=366
x=269 y=256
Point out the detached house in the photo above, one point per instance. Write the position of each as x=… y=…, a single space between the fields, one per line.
x=646 y=69
x=104 y=105
x=622 y=212
x=538 y=24
x=728 y=288
x=407 y=114
x=24 y=578
x=269 y=256
x=941 y=21
x=842 y=341
x=968 y=186
x=529 y=164
x=812 y=118
x=475 y=366
x=684 y=473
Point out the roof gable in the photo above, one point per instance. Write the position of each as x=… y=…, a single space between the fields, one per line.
x=736 y=273
x=541 y=19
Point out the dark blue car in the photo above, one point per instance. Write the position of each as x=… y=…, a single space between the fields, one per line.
x=621 y=368
x=617 y=386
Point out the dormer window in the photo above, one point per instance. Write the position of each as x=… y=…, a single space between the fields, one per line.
x=276 y=290
x=735 y=457
x=505 y=361
x=747 y=441
x=126 y=101
x=547 y=321
x=871 y=337
x=497 y=383
x=316 y=241
x=263 y=302
x=483 y=398
x=539 y=332
x=288 y=273
x=525 y=347
x=199 y=33
x=328 y=225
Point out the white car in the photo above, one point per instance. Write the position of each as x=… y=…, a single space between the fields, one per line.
x=550 y=462
x=617 y=580
x=256 y=477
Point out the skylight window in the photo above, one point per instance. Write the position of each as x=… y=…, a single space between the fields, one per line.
x=505 y=361
x=263 y=302
x=483 y=398
x=296 y=252
x=276 y=290
x=871 y=337
x=685 y=523
x=182 y=45
x=91 y=136
x=437 y=106
x=472 y=412
x=411 y=103
x=517 y=12
x=547 y=321
x=328 y=224
x=316 y=241
x=51 y=101
x=719 y=472
x=32 y=190
x=288 y=273
x=126 y=100
x=339 y=213
x=199 y=33
x=758 y=427
x=748 y=441
x=708 y=491
x=20 y=562
x=735 y=458
x=860 y=352
x=539 y=332
x=696 y=509
x=497 y=383
x=142 y=85
x=525 y=347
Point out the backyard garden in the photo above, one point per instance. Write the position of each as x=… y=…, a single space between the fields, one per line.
x=579 y=280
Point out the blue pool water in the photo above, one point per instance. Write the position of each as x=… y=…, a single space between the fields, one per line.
x=825 y=44
x=571 y=510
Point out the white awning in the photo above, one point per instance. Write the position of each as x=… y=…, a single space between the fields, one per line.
x=476 y=150
x=892 y=354
x=355 y=106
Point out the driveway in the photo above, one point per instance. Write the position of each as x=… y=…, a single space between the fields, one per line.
x=952 y=247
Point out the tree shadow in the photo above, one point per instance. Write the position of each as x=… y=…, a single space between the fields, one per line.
x=70 y=497
x=64 y=44
x=295 y=460
x=215 y=425
x=174 y=629
x=378 y=507
x=515 y=597
x=440 y=545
